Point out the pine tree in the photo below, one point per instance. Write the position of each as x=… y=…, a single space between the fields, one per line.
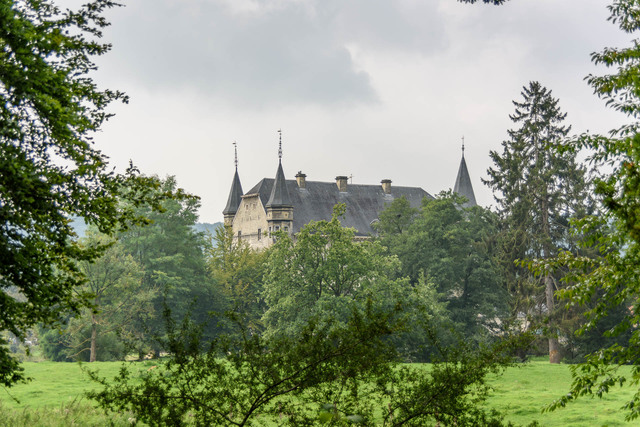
x=537 y=190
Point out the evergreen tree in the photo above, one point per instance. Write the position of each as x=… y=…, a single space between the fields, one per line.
x=537 y=189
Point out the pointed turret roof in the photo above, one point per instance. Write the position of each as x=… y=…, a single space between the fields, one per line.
x=279 y=193
x=235 y=196
x=463 y=183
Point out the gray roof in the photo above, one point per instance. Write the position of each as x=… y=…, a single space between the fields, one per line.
x=234 y=196
x=463 y=184
x=316 y=201
x=279 y=193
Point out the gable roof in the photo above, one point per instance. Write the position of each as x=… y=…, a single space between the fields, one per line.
x=316 y=201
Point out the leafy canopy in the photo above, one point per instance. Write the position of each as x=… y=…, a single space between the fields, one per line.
x=611 y=282
x=329 y=354
x=49 y=169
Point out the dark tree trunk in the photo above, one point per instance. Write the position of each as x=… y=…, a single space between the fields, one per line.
x=554 y=346
x=94 y=335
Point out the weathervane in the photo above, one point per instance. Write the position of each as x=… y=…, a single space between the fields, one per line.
x=235 y=149
x=462 y=145
x=280 y=145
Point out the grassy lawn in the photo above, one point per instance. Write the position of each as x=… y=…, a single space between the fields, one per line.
x=520 y=393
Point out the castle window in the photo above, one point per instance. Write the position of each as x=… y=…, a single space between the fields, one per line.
x=259 y=233
x=286 y=228
x=277 y=228
x=239 y=234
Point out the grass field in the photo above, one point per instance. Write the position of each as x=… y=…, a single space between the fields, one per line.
x=521 y=393
x=55 y=397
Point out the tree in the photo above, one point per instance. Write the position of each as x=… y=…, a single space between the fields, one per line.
x=334 y=371
x=324 y=272
x=454 y=248
x=238 y=271
x=49 y=169
x=116 y=296
x=537 y=190
x=172 y=256
x=611 y=282
x=396 y=218
x=329 y=354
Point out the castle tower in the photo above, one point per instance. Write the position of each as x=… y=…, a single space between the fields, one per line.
x=279 y=206
x=235 y=195
x=463 y=182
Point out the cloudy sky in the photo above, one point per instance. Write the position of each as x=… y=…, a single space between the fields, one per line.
x=372 y=89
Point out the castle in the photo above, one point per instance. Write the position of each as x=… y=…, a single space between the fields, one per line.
x=276 y=204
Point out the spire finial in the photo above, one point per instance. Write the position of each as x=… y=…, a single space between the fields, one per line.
x=280 y=145
x=462 y=145
x=235 y=149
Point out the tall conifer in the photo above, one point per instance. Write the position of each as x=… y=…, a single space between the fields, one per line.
x=537 y=190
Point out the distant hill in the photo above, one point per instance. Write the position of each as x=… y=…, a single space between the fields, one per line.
x=80 y=227
x=207 y=227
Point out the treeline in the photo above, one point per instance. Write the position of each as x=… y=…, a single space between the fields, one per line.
x=466 y=267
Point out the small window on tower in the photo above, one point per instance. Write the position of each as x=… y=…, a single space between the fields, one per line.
x=259 y=233
x=286 y=228
x=239 y=234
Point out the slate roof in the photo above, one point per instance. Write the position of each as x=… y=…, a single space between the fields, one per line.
x=279 y=193
x=463 y=184
x=316 y=201
x=235 y=196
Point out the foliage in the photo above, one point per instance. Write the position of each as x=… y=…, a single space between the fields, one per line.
x=610 y=282
x=324 y=272
x=332 y=371
x=237 y=270
x=116 y=297
x=517 y=392
x=49 y=170
x=537 y=190
x=172 y=257
x=334 y=326
x=396 y=218
x=453 y=247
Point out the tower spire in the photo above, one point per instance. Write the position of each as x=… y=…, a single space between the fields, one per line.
x=235 y=149
x=280 y=145
x=463 y=182
x=235 y=195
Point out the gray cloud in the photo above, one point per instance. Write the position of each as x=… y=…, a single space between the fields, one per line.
x=287 y=52
x=251 y=59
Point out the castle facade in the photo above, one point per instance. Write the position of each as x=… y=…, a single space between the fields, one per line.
x=279 y=204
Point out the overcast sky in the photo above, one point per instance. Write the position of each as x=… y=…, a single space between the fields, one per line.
x=370 y=88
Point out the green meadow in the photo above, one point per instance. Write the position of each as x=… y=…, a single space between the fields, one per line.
x=55 y=397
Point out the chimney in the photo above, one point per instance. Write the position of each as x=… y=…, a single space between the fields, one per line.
x=341 y=182
x=301 y=178
x=386 y=186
